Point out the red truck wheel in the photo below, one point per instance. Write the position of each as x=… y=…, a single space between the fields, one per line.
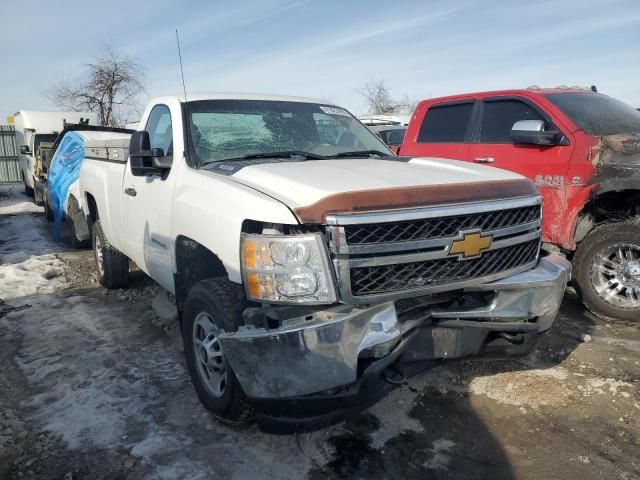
x=607 y=270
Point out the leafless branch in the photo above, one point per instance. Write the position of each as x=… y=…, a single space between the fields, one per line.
x=111 y=87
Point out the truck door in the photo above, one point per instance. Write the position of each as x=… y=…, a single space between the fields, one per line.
x=444 y=131
x=147 y=206
x=546 y=166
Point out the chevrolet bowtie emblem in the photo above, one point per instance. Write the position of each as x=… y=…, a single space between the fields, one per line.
x=470 y=245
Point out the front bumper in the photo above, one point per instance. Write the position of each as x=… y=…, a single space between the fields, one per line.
x=294 y=372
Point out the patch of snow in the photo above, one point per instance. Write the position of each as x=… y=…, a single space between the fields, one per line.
x=441 y=457
x=13 y=202
x=36 y=274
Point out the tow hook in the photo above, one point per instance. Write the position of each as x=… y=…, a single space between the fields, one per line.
x=515 y=339
x=394 y=375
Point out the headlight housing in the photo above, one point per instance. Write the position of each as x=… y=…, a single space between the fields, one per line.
x=287 y=269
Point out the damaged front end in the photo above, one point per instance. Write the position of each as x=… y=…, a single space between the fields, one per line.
x=318 y=367
x=616 y=159
x=413 y=287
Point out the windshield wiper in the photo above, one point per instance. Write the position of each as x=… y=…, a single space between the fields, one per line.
x=282 y=154
x=362 y=153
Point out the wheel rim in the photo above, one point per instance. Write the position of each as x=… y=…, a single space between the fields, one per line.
x=209 y=358
x=615 y=275
x=97 y=250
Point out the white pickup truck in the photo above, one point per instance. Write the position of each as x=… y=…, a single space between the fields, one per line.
x=314 y=271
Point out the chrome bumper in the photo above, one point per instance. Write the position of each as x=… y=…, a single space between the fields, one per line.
x=318 y=352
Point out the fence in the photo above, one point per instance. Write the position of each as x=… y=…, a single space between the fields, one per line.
x=9 y=166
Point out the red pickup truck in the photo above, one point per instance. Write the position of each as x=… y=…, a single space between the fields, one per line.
x=581 y=149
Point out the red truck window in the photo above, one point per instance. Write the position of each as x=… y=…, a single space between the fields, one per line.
x=499 y=116
x=446 y=123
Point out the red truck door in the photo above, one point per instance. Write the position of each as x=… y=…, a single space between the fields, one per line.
x=546 y=166
x=440 y=130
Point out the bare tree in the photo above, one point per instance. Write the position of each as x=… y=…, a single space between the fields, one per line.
x=378 y=98
x=406 y=104
x=381 y=102
x=110 y=87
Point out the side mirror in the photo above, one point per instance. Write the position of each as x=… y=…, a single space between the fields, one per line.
x=144 y=160
x=24 y=150
x=532 y=132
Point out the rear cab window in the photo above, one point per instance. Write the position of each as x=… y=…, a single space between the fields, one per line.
x=446 y=123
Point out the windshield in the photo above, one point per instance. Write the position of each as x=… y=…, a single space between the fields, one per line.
x=231 y=129
x=43 y=138
x=597 y=114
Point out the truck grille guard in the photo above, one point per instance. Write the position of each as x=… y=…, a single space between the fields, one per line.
x=389 y=255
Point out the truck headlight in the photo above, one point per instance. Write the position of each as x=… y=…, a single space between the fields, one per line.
x=287 y=268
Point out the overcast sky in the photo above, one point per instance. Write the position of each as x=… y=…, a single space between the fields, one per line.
x=326 y=48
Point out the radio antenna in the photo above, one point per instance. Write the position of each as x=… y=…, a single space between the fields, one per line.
x=185 y=112
x=184 y=88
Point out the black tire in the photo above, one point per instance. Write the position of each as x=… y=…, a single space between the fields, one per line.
x=223 y=301
x=27 y=189
x=115 y=265
x=75 y=243
x=48 y=212
x=627 y=233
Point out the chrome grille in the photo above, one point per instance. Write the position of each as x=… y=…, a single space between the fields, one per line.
x=438 y=227
x=397 y=254
x=408 y=276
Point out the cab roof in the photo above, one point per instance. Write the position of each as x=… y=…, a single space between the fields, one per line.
x=519 y=91
x=191 y=97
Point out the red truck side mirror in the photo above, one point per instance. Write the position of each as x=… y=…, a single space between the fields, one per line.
x=532 y=132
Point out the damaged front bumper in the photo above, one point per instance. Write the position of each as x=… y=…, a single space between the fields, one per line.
x=317 y=367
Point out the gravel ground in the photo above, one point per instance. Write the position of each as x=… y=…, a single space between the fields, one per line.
x=94 y=386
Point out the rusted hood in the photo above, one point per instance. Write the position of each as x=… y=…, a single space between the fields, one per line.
x=315 y=189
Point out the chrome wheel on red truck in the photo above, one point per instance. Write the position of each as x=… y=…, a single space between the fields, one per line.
x=607 y=270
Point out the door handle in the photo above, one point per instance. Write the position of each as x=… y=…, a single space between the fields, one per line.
x=484 y=159
x=130 y=191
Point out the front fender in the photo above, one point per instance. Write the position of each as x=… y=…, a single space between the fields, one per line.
x=211 y=209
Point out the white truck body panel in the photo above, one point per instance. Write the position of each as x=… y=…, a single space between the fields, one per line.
x=98 y=144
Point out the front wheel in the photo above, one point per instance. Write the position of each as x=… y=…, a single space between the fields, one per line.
x=607 y=270
x=214 y=306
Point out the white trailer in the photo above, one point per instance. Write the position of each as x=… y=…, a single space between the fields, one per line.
x=35 y=128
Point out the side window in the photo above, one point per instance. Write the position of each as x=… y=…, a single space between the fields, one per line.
x=159 y=128
x=446 y=123
x=499 y=116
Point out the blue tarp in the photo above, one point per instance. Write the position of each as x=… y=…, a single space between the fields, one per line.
x=63 y=172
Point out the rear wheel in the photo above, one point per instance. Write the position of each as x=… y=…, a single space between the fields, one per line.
x=75 y=243
x=113 y=266
x=607 y=270
x=27 y=189
x=214 y=306
x=48 y=211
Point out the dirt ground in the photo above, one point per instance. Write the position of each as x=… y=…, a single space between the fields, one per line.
x=93 y=386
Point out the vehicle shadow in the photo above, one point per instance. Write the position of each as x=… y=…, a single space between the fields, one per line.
x=445 y=432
